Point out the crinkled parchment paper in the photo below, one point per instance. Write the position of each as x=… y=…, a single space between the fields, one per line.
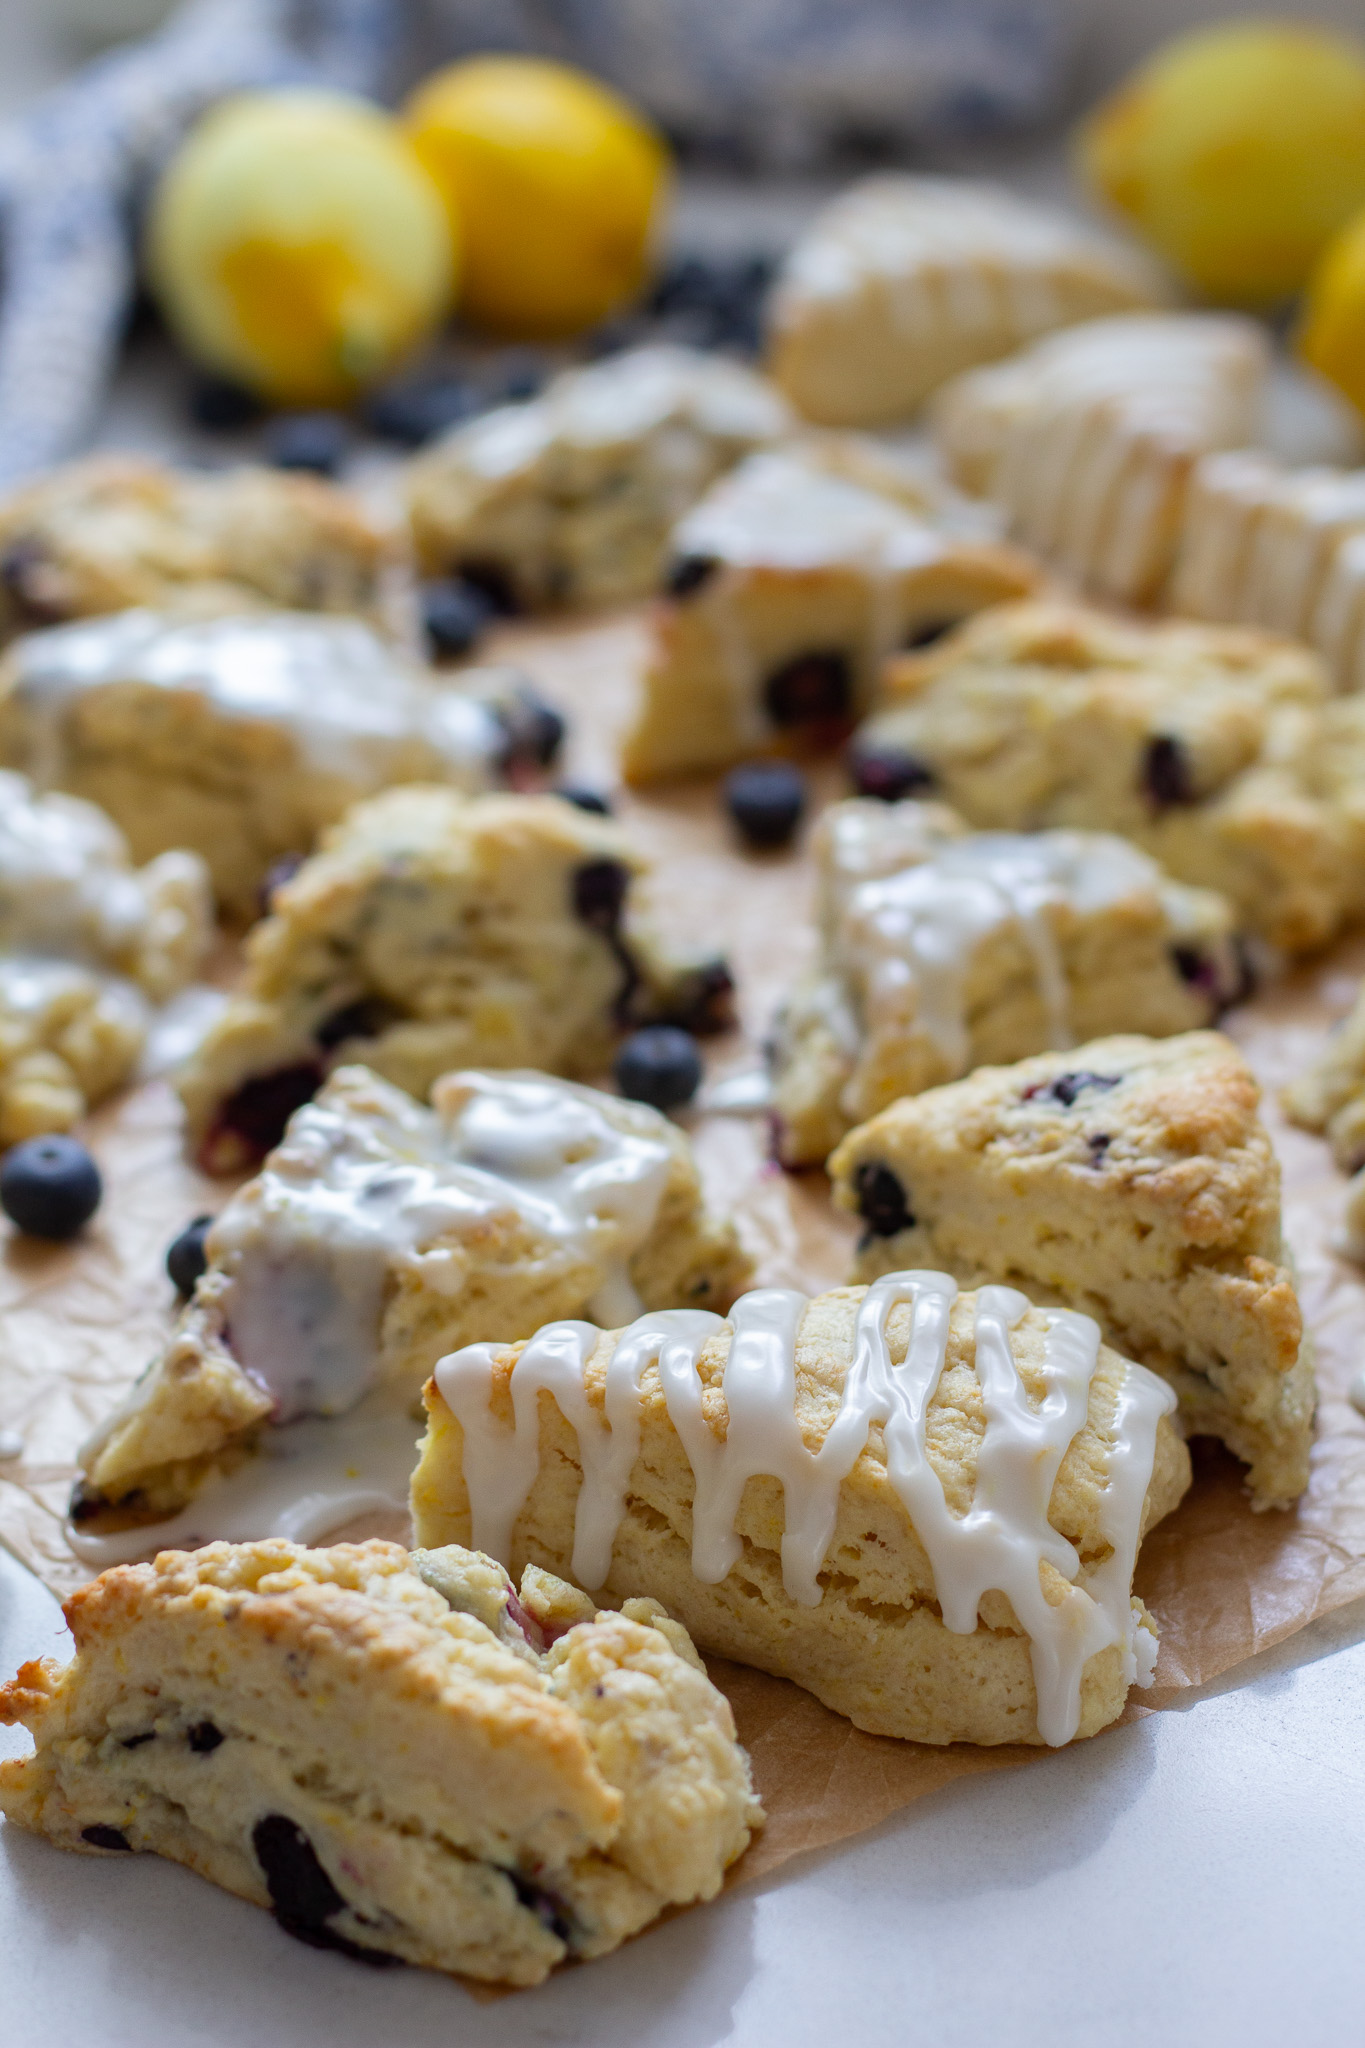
x=78 y=1323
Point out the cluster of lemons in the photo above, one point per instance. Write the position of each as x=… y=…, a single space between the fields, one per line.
x=302 y=242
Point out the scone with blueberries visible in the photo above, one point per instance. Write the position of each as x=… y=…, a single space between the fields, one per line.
x=393 y=1752
x=1214 y=748
x=943 y=949
x=568 y=499
x=113 y=531
x=1132 y=1179
x=791 y=582
x=434 y=931
x=381 y=1234
x=243 y=736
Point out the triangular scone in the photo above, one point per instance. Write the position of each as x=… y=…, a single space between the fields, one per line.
x=1131 y=1178
x=1088 y=439
x=923 y=1506
x=1330 y=1094
x=791 y=582
x=380 y=1234
x=901 y=281
x=392 y=1752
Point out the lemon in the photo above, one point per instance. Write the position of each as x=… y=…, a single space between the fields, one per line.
x=1332 y=332
x=297 y=245
x=554 y=185
x=1237 y=151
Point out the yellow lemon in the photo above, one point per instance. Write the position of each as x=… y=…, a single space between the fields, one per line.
x=553 y=184
x=1237 y=152
x=296 y=244
x=1332 y=333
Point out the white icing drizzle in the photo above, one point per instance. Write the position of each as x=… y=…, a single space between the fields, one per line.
x=65 y=883
x=783 y=509
x=1000 y=1544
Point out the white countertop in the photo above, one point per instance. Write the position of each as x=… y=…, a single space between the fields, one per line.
x=1198 y=1877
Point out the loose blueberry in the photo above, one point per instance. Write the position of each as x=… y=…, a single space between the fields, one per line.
x=881 y=1200
x=222 y=406
x=204 y=1738
x=302 y=1895
x=186 y=1259
x=659 y=1065
x=315 y=441
x=815 y=689
x=417 y=411
x=1166 y=774
x=101 y=1837
x=455 y=615
x=585 y=799
x=1064 y=1088
x=689 y=573
x=49 y=1187
x=888 y=774
x=599 y=893
x=765 y=799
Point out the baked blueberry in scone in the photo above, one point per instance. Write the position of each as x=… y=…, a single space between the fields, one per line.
x=942 y=949
x=1130 y=1178
x=242 y=736
x=791 y=582
x=922 y=1505
x=380 y=1234
x=398 y=1755
x=1214 y=748
x=110 y=532
x=902 y=281
x=568 y=498
x=435 y=931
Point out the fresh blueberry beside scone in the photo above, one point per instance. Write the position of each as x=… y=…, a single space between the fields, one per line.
x=398 y=1754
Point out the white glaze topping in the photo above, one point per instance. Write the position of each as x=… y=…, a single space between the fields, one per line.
x=364 y=1188
x=1000 y=1544
x=350 y=702
x=781 y=509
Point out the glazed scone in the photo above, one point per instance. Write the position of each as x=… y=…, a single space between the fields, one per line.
x=942 y=950
x=434 y=931
x=1129 y=1178
x=1205 y=745
x=112 y=532
x=569 y=498
x=380 y=1234
x=792 y=581
x=241 y=737
x=390 y=1751
x=861 y=1493
x=1088 y=439
x=69 y=1037
x=903 y=281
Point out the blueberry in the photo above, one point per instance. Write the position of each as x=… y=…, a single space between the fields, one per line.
x=888 y=774
x=541 y=733
x=881 y=1200
x=365 y=1018
x=454 y=617
x=49 y=1186
x=689 y=573
x=186 y=1259
x=599 y=893
x=1166 y=775
x=221 y=405
x=315 y=441
x=585 y=799
x=765 y=799
x=702 y=1000
x=1064 y=1088
x=101 y=1837
x=420 y=409
x=814 y=689
x=302 y=1895
x=204 y=1738
x=659 y=1065
x=493 y=581
x=258 y=1111
x=547 y=1907
x=927 y=631
x=520 y=378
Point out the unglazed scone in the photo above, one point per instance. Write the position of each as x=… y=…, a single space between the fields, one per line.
x=242 y=736
x=1215 y=749
x=378 y=1235
x=390 y=1751
x=942 y=949
x=791 y=582
x=1088 y=439
x=1130 y=1178
x=903 y=281
x=435 y=931
x=111 y=532
x=569 y=498
x=1329 y=1095
x=864 y=1493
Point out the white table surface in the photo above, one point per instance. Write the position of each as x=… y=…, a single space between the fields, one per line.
x=1198 y=1877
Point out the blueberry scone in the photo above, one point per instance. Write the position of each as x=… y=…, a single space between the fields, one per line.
x=394 y=1753
x=791 y=582
x=86 y=942
x=1129 y=1178
x=1088 y=439
x=434 y=931
x=241 y=737
x=568 y=499
x=111 y=532
x=924 y=1506
x=380 y=1234
x=942 y=949
x=1202 y=744
x=903 y=281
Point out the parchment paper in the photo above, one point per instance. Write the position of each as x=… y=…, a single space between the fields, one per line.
x=78 y=1323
